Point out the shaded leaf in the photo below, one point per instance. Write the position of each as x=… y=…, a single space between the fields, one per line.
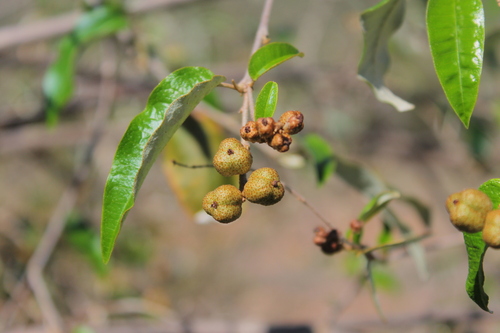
x=191 y=184
x=373 y=289
x=456 y=38
x=379 y=24
x=376 y=204
x=168 y=106
x=270 y=56
x=58 y=82
x=322 y=155
x=266 y=101
x=196 y=130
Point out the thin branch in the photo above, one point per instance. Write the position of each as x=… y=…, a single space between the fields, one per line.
x=55 y=227
x=15 y=35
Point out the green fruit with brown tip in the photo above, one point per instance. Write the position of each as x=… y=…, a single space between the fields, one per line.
x=264 y=187
x=468 y=210
x=491 y=230
x=223 y=203
x=232 y=158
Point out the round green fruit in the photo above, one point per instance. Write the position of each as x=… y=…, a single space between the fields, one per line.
x=468 y=210
x=264 y=187
x=223 y=203
x=232 y=158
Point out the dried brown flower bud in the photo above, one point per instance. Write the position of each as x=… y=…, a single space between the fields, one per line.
x=293 y=122
x=265 y=126
x=280 y=142
x=250 y=133
x=356 y=225
x=329 y=241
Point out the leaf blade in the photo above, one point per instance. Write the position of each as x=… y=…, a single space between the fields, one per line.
x=270 y=56
x=456 y=38
x=265 y=104
x=168 y=106
x=380 y=22
x=323 y=157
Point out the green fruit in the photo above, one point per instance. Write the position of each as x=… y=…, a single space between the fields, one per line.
x=264 y=187
x=468 y=210
x=223 y=203
x=491 y=230
x=232 y=158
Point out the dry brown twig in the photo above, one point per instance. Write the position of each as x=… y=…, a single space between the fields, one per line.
x=67 y=202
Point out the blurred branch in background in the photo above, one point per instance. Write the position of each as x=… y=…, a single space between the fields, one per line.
x=56 y=224
x=12 y=36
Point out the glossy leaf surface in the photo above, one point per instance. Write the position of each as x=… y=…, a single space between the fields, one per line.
x=476 y=249
x=323 y=158
x=168 y=106
x=266 y=102
x=456 y=38
x=380 y=22
x=270 y=56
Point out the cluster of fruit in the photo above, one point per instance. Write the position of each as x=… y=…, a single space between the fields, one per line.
x=277 y=134
x=330 y=242
x=472 y=211
x=262 y=187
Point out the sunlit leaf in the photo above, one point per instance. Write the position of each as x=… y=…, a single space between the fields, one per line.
x=270 y=56
x=168 y=106
x=265 y=105
x=456 y=38
x=380 y=22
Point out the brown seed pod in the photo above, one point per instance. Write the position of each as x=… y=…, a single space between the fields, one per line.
x=468 y=210
x=223 y=203
x=232 y=158
x=249 y=132
x=280 y=142
x=265 y=126
x=491 y=230
x=329 y=241
x=293 y=122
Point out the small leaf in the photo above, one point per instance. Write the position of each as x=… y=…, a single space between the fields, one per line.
x=476 y=249
x=168 y=106
x=376 y=204
x=270 y=56
x=58 y=83
x=373 y=289
x=322 y=155
x=456 y=38
x=266 y=101
x=191 y=184
x=99 y=22
x=379 y=24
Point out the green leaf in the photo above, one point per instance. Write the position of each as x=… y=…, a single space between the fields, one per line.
x=266 y=101
x=99 y=22
x=379 y=24
x=270 y=56
x=168 y=106
x=476 y=249
x=58 y=82
x=322 y=155
x=376 y=204
x=456 y=38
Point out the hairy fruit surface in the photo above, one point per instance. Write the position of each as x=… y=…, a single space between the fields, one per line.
x=232 y=158
x=468 y=210
x=223 y=203
x=491 y=230
x=264 y=187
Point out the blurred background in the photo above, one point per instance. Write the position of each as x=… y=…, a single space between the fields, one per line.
x=171 y=273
